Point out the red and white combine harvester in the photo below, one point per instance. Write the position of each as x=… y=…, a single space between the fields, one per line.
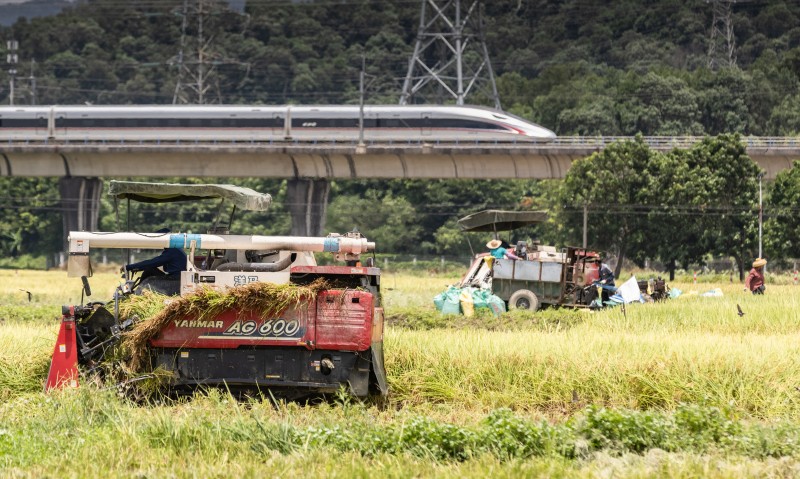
x=315 y=347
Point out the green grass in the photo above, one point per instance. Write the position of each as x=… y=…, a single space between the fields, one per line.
x=686 y=388
x=89 y=432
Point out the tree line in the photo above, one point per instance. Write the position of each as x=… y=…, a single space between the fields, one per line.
x=577 y=67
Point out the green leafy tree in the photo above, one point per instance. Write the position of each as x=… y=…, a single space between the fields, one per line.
x=615 y=185
x=782 y=227
x=388 y=220
x=660 y=105
x=674 y=227
x=728 y=179
x=30 y=221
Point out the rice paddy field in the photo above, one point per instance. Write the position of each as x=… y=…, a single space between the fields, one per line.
x=685 y=388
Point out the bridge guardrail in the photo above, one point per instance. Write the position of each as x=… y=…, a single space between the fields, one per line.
x=589 y=142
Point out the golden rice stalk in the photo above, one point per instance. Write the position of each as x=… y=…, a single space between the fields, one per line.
x=156 y=311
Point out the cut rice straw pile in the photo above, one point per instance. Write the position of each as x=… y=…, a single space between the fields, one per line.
x=263 y=299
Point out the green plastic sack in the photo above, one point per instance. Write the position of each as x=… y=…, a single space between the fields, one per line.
x=480 y=298
x=497 y=305
x=452 y=301
x=439 y=299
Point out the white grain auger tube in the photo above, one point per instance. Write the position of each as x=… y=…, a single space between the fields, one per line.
x=81 y=242
x=342 y=247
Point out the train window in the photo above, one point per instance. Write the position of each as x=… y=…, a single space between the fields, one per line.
x=466 y=124
x=173 y=123
x=19 y=123
x=131 y=123
x=152 y=123
x=215 y=123
x=196 y=123
x=87 y=122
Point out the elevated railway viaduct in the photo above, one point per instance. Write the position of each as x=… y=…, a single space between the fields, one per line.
x=310 y=166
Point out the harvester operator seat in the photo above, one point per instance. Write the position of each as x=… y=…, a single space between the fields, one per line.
x=217 y=257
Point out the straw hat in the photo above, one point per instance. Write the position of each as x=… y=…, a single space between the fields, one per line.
x=495 y=243
x=759 y=262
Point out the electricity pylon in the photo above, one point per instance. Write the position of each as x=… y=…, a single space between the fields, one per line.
x=196 y=66
x=722 y=43
x=450 y=58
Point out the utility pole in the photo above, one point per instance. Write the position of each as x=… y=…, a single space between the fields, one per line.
x=32 y=82
x=760 y=215
x=361 y=102
x=361 y=148
x=722 y=43
x=585 y=225
x=11 y=58
x=450 y=55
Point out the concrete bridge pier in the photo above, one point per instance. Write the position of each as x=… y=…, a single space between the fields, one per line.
x=80 y=203
x=307 y=200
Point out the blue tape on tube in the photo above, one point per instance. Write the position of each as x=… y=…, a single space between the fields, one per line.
x=331 y=245
x=184 y=240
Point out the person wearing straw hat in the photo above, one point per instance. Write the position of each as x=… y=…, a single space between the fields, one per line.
x=755 y=280
x=498 y=252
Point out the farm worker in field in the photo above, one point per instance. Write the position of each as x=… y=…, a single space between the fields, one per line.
x=606 y=279
x=755 y=280
x=606 y=275
x=171 y=261
x=498 y=252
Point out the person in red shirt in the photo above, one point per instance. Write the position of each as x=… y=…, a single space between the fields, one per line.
x=755 y=280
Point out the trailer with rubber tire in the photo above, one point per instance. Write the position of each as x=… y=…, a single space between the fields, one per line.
x=541 y=276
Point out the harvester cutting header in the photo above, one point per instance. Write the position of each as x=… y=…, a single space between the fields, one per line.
x=254 y=312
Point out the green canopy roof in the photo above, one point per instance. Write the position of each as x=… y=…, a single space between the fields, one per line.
x=499 y=220
x=241 y=197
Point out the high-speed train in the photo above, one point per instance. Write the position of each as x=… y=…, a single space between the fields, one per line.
x=386 y=123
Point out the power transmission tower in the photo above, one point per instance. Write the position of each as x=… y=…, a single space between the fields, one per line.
x=450 y=57
x=196 y=61
x=722 y=43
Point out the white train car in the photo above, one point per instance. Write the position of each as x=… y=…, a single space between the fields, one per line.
x=384 y=123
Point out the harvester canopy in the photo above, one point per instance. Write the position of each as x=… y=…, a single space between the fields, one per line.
x=241 y=197
x=500 y=220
